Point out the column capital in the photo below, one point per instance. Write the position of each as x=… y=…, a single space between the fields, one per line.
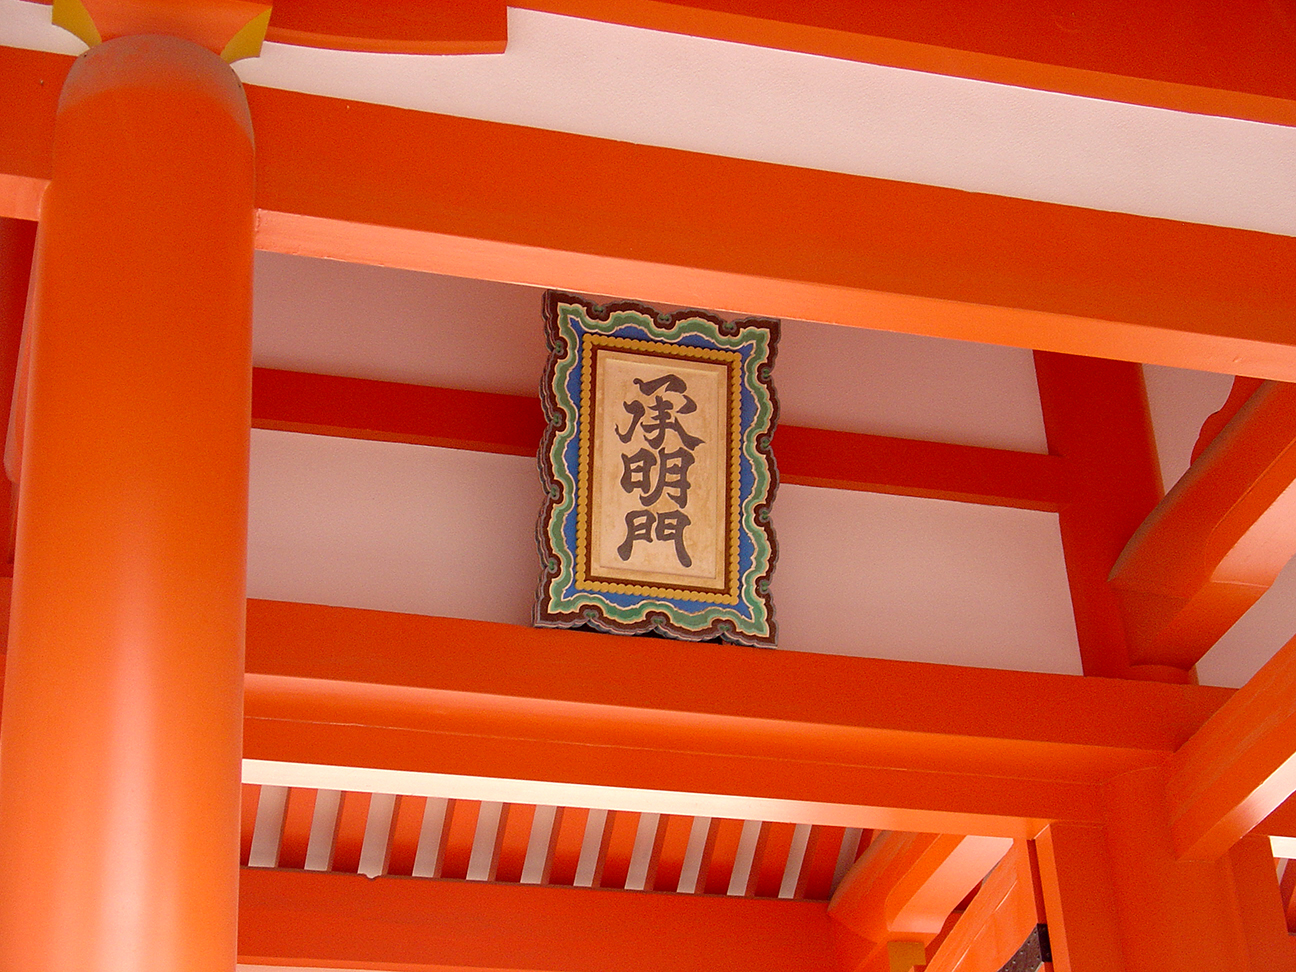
x=234 y=29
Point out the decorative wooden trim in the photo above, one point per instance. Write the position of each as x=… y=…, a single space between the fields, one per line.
x=571 y=592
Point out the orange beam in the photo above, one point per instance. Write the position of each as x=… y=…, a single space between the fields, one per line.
x=1240 y=766
x=311 y=920
x=1216 y=543
x=997 y=923
x=1187 y=56
x=374 y=184
x=1096 y=418
x=333 y=687
x=904 y=886
x=511 y=424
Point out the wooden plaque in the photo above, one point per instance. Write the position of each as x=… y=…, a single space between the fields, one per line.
x=657 y=472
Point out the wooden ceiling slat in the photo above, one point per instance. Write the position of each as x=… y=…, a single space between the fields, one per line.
x=299 y=814
x=403 y=839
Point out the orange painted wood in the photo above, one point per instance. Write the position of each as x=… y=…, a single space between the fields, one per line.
x=1260 y=905
x=1079 y=901
x=904 y=886
x=346 y=921
x=511 y=424
x=362 y=409
x=770 y=859
x=17 y=243
x=381 y=185
x=996 y=924
x=299 y=813
x=619 y=833
x=342 y=687
x=349 y=831
x=392 y=26
x=1217 y=542
x=1096 y=418
x=1240 y=766
x=515 y=837
x=667 y=860
x=820 y=864
x=457 y=836
x=251 y=794
x=720 y=855
x=910 y=467
x=403 y=838
x=1243 y=388
x=1179 y=56
x=1196 y=925
x=125 y=660
x=565 y=849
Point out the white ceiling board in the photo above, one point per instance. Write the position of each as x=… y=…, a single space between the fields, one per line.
x=392 y=527
x=913 y=387
x=921 y=580
x=420 y=530
x=1179 y=401
x=1269 y=625
x=334 y=318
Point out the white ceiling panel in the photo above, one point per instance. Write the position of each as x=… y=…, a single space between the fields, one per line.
x=421 y=530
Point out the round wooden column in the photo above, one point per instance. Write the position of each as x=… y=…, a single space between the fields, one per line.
x=122 y=719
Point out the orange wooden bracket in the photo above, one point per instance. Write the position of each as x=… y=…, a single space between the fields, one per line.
x=1096 y=418
x=1002 y=916
x=1216 y=543
x=904 y=886
x=348 y=921
x=1240 y=766
x=511 y=424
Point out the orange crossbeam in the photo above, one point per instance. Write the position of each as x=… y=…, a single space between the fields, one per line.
x=511 y=424
x=375 y=184
x=347 y=921
x=1216 y=543
x=1240 y=766
x=334 y=687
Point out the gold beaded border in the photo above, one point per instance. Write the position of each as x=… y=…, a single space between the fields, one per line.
x=657 y=349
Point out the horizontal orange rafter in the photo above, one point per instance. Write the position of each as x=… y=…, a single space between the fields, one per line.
x=1218 y=540
x=1186 y=56
x=665 y=726
x=375 y=184
x=511 y=424
x=1240 y=766
x=349 y=921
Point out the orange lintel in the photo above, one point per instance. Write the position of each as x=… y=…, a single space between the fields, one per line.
x=1240 y=766
x=349 y=688
x=375 y=184
x=511 y=424
x=1188 y=56
x=999 y=920
x=349 y=921
x=1216 y=543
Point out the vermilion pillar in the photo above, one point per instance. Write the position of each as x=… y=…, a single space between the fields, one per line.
x=121 y=732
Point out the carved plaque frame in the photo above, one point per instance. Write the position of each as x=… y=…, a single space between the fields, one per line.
x=691 y=507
